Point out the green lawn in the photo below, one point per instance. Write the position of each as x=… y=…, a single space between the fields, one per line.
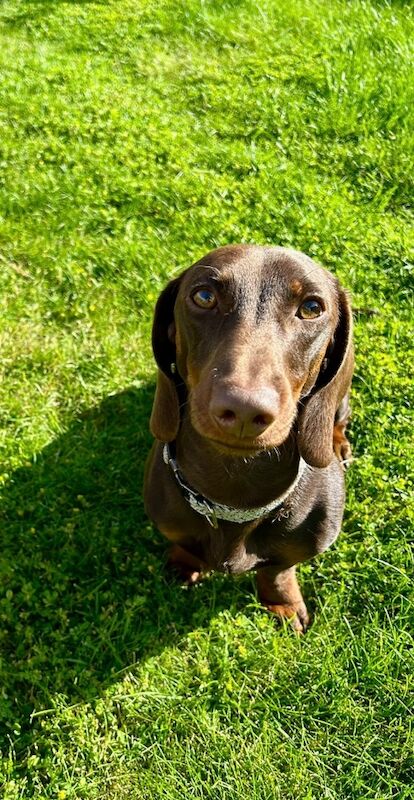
x=134 y=136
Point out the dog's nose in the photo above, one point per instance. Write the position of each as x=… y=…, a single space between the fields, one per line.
x=244 y=413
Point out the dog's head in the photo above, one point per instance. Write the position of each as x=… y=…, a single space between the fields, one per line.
x=255 y=341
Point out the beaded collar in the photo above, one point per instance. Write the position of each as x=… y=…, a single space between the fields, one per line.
x=214 y=511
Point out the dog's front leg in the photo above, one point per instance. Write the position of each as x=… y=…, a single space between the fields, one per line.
x=279 y=592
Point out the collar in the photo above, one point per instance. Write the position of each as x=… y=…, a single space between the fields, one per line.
x=215 y=511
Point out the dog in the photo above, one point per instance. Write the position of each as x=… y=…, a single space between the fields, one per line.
x=255 y=359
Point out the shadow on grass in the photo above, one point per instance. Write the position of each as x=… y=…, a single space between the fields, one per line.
x=85 y=590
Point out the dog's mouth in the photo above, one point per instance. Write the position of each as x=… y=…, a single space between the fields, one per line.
x=249 y=447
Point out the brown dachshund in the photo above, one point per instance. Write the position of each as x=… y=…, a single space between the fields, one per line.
x=255 y=358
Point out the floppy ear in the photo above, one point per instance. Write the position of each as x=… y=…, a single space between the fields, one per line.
x=165 y=416
x=317 y=419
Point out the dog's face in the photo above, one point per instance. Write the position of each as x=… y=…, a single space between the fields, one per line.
x=255 y=334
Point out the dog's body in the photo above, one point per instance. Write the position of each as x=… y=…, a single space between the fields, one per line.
x=255 y=360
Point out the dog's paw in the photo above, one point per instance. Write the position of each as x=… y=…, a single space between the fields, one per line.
x=190 y=578
x=297 y=615
x=343 y=451
x=184 y=574
x=184 y=566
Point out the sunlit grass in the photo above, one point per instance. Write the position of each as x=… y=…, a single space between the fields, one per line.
x=134 y=137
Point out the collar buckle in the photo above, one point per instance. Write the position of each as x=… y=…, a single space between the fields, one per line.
x=211 y=515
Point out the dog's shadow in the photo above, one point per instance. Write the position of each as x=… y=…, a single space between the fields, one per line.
x=85 y=589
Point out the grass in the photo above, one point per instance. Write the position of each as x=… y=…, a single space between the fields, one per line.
x=134 y=137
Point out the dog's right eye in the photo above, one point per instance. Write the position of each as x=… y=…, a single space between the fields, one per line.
x=204 y=298
x=310 y=309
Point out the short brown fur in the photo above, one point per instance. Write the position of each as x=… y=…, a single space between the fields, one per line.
x=245 y=389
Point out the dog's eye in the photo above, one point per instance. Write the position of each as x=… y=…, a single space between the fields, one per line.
x=204 y=298
x=310 y=309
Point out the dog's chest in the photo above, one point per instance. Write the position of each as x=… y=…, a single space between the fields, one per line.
x=231 y=552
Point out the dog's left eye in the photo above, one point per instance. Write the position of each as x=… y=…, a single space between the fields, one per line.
x=204 y=298
x=310 y=309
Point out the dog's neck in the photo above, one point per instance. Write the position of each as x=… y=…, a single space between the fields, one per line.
x=219 y=476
